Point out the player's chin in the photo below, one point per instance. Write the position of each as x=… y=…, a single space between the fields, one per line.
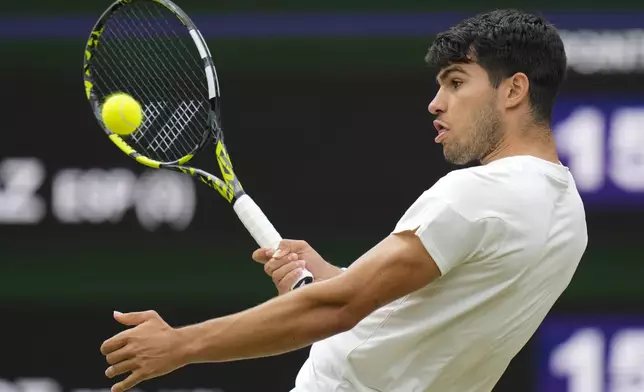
x=454 y=156
x=449 y=153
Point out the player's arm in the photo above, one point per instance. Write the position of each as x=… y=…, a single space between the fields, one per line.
x=395 y=267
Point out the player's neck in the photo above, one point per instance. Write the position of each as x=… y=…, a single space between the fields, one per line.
x=534 y=141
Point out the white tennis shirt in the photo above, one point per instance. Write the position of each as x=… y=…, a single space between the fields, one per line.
x=507 y=237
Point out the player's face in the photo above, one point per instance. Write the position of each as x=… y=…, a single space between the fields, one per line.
x=468 y=121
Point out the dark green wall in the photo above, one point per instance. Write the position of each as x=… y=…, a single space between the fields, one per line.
x=191 y=274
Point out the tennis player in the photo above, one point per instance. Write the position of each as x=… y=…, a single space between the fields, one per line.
x=468 y=273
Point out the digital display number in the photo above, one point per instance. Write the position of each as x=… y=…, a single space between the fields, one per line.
x=587 y=356
x=602 y=142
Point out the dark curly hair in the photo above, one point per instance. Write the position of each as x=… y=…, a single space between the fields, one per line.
x=504 y=42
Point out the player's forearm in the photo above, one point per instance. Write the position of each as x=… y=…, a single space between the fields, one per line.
x=283 y=324
x=331 y=271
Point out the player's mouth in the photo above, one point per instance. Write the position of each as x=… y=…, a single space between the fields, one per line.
x=442 y=130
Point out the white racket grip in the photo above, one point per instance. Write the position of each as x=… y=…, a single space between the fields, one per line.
x=261 y=229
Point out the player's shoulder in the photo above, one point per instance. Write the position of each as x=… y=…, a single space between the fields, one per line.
x=474 y=192
x=468 y=181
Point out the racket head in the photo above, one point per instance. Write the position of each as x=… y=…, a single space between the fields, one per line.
x=151 y=50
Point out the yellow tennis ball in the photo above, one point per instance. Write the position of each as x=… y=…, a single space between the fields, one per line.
x=121 y=114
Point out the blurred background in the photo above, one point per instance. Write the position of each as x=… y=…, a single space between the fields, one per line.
x=334 y=94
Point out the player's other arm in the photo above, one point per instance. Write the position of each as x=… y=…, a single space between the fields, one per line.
x=397 y=266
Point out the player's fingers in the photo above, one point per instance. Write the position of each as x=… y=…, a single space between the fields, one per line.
x=135 y=318
x=284 y=285
x=262 y=255
x=119 y=355
x=121 y=367
x=281 y=272
x=285 y=247
x=114 y=343
x=130 y=382
x=273 y=264
x=291 y=246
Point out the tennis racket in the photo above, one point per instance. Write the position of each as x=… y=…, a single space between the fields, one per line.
x=151 y=50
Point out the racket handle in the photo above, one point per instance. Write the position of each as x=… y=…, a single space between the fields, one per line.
x=261 y=229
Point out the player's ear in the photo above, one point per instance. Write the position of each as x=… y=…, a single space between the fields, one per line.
x=515 y=90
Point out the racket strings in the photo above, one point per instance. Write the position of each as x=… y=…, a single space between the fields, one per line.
x=194 y=64
x=153 y=142
x=166 y=134
x=151 y=112
x=146 y=51
x=188 y=109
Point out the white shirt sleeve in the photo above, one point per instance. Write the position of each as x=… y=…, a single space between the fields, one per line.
x=447 y=228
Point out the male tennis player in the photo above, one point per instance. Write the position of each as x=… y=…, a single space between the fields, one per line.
x=471 y=269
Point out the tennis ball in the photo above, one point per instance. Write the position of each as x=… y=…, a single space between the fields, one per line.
x=121 y=114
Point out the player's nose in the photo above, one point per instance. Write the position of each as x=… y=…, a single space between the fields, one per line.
x=437 y=105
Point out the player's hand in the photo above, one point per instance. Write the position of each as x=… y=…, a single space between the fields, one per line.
x=151 y=349
x=285 y=265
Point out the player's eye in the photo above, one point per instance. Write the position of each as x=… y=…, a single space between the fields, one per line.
x=455 y=83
